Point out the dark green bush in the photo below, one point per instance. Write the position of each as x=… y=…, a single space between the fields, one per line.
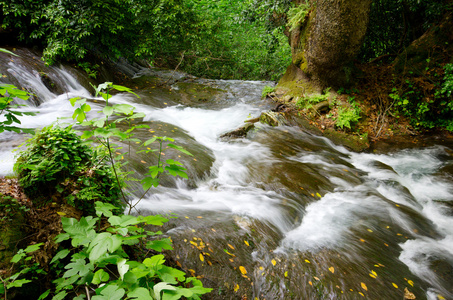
x=58 y=165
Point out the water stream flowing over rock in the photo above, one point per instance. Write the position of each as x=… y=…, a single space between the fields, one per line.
x=280 y=213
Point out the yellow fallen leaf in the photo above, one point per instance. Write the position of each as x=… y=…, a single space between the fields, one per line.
x=230 y=246
x=316 y=278
x=361 y=294
x=386 y=244
x=331 y=269
x=307 y=261
x=286 y=274
x=310 y=283
x=362 y=240
x=200 y=217
x=440 y=297
x=394 y=285
x=201 y=257
x=372 y=276
x=243 y=270
x=61 y=213
x=370 y=230
x=317 y=194
x=247 y=243
x=374 y=273
x=410 y=282
x=213 y=229
x=193 y=243
x=261 y=268
x=363 y=285
x=274 y=262
x=236 y=288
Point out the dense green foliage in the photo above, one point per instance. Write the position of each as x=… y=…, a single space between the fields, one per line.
x=57 y=160
x=98 y=261
x=71 y=29
x=236 y=42
x=217 y=39
x=395 y=24
x=410 y=100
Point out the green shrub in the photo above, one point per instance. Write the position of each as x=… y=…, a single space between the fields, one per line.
x=267 y=90
x=347 y=116
x=296 y=15
x=308 y=102
x=57 y=161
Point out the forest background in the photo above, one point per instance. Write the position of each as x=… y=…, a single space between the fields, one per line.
x=248 y=40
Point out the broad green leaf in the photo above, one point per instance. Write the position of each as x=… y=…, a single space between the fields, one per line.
x=100 y=276
x=154 y=261
x=85 y=107
x=130 y=278
x=61 y=295
x=86 y=134
x=104 y=242
x=126 y=109
x=17 y=283
x=122 y=267
x=110 y=292
x=79 y=266
x=108 y=110
x=140 y=294
x=149 y=182
x=74 y=100
x=61 y=254
x=44 y=295
x=123 y=220
x=179 y=148
x=103 y=208
x=160 y=245
x=171 y=275
x=154 y=220
x=160 y=287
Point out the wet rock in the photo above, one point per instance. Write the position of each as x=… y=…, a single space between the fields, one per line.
x=240 y=132
x=272 y=118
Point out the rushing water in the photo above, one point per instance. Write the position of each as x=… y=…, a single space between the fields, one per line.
x=305 y=218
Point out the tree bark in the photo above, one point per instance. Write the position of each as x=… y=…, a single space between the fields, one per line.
x=327 y=41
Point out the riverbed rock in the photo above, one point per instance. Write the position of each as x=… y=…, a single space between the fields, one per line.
x=240 y=132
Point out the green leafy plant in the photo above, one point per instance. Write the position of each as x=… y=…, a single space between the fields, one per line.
x=97 y=264
x=267 y=90
x=297 y=14
x=9 y=207
x=347 y=116
x=308 y=102
x=8 y=93
x=57 y=160
x=28 y=270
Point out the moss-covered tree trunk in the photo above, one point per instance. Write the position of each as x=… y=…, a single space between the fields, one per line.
x=327 y=40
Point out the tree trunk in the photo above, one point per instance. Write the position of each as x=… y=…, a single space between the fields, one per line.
x=326 y=42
